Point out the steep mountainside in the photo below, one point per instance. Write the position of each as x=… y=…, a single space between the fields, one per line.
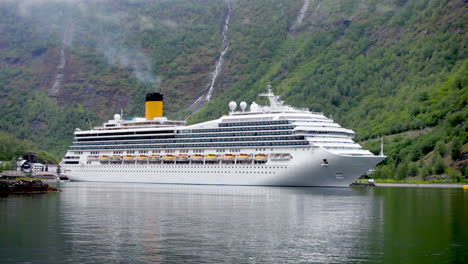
x=380 y=67
x=65 y=64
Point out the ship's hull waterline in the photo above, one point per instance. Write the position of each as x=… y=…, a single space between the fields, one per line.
x=306 y=169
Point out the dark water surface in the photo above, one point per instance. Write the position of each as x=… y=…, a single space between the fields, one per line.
x=137 y=223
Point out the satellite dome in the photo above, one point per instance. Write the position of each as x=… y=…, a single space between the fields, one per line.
x=232 y=105
x=117 y=117
x=254 y=107
x=243 y=105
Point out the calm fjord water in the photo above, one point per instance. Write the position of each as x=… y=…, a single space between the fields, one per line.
x=151 y=223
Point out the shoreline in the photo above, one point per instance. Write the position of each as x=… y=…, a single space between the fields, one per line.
x=20 y=187
x=423 y=185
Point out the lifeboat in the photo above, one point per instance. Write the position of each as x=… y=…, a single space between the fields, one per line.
x=154 y=158
x=261 y=158
x=280 y=156
x=197 y=158
x=129 y=158
x=211 y=158
x=104 y=159
x=182 y=158
x=228 y=158
x=244 y=158
x=93 y=158
x=142 y=159
x=115 y=158
x=169 y=158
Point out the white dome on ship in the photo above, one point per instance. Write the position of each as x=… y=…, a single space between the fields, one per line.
x=254 y=107
x=232 y=105
x=243 y=105
x=117 y=117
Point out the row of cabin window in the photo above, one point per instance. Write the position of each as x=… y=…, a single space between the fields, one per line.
x=321 y=132
x=139 y=138
x=257 y=123
x=288 y=143
x=229 y=150
x=146 y=152
x=220 y=135
x=191 y=167
x=233 y=129
x=333 y=147
x=189 y=141
x=125 y=133
x=187 y=131
x=243 y=134
x=250 y=172
x=71 y=157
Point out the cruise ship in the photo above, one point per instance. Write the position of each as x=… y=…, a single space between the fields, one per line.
x=271 y=145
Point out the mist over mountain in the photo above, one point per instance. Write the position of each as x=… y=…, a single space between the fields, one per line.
x=380 y=67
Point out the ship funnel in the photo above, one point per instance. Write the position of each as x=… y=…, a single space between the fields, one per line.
x=154 y=105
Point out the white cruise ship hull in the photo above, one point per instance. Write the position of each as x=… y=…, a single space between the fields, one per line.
x=276 y=145
x=306 y=168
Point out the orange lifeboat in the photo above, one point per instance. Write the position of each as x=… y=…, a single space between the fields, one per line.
x=129 y=158
x=169 y=158
x=104 y=159
x=142 y=159
x=261 y=158
x=211 y=158
x=182 y=158
x=115 y=158
x=154 y=158
x=197 y=158
x=228 y=158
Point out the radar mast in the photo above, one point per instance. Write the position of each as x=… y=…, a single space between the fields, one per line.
x=275 y=101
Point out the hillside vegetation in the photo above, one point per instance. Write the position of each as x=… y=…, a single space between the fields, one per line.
x=379 y=67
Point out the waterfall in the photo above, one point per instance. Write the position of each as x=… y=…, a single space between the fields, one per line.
x=221 y=56
x=206 y=96
x=66 y=40
x=302 y=13
x=59 y=73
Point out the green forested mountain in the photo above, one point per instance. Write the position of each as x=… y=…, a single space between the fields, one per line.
x=392 y=68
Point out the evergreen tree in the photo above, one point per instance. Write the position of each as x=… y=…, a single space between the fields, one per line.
x=440 y=148
x=456 y=148
x=438 y=163
x=402 y=171
x=412 y=169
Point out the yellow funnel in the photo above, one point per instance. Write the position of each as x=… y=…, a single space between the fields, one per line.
x=154 y=105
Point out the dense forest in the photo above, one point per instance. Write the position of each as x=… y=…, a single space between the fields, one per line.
x=384 y=68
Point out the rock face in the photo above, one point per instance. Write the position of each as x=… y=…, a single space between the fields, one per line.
x=24 y=187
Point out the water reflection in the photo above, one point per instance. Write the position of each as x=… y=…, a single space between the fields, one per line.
x=141 y=223
x=425 y=224
x=172 y=223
